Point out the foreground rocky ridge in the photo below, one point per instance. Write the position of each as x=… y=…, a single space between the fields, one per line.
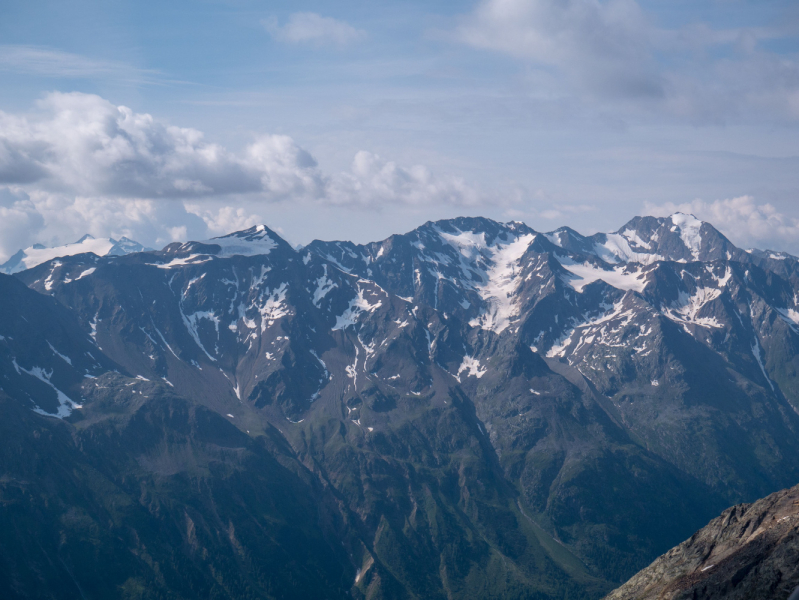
x=750 y=551
x=472 y=409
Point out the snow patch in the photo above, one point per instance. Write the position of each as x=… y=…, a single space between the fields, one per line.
x=66 y=359
x=621 y=278
x=48 y=283
x=66 y=404
x=86 y=273
x=616 y=248
x=687 y=308
x=603 y=330
x=499 y=291
x=275 y=306
x=756 y=354
x=251 y=242
x=789 y=315
x=93 y=325
x=689 y=227
x=472 y=367
x=352 y=370
x=192 y=323
x=323 y=287
x=194 y=259
x=357 y=306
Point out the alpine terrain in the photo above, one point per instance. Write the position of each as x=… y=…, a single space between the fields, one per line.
x=473 y=409
x=750 y=551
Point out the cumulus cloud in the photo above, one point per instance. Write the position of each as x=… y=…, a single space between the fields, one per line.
x=308 y=27
x=83 y=165
x=747 y=223
x=154 y=222
x=285 y=169
x=84 y=143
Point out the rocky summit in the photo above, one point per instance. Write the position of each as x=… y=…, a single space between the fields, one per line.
x=472 y=409
x=750 y=551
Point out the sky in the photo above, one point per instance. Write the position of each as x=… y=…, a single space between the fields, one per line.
x=355 y=120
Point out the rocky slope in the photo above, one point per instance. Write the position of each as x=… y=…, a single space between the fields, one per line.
x=750 y=551
x=470 y=410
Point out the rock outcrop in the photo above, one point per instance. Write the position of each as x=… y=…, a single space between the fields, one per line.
x=750 y=552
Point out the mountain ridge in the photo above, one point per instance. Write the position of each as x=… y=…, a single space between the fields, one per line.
x=481 y=403
x=38 y=253
x=749 y=551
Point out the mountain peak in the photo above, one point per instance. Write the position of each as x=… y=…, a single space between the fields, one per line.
x=256 y=231
x=38 y=253
x=681 y=217
x=258 y=239
x=679 y=237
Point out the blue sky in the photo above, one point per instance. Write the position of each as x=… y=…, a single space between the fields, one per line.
x=361 y=119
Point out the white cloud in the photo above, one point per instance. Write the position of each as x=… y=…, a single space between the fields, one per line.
x=373 y=181
x=745 y=222
x=285 y=169
x=152 y=222
x=84 y=143
x=40 y=216
x=308 y=27
x=83 y=165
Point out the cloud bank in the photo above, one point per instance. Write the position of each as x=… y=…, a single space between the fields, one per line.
x=81 y=164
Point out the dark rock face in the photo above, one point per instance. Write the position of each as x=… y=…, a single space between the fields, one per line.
x=750 y=551
x=470 y=410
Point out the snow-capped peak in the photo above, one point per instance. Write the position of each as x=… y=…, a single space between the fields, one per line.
x=680 y=237
x=38 y=254
x=689 y=228
x=248 y=242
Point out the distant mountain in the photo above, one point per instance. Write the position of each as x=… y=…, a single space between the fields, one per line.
x=472 y=409
x=37 y=254
x=750 y=551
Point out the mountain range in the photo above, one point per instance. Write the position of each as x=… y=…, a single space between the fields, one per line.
x=473 y=409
